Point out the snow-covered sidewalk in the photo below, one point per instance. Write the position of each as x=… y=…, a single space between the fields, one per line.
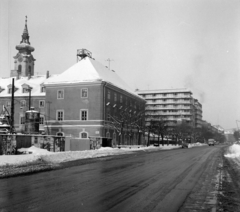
x=59 y=157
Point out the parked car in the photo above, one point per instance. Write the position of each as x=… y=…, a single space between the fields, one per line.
x=184 y=144
x=211 y=142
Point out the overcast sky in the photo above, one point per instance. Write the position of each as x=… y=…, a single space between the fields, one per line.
x=153 y=44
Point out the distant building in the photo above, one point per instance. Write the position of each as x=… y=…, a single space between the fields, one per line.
x=172 y=106
x=219 y=129
x=198 y=114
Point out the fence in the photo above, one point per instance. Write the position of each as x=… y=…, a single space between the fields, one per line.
x=10 y=143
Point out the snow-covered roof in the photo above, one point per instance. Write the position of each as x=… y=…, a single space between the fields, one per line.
x=89 y=70
x=35 y=82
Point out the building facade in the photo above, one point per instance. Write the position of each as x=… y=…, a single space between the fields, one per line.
x=87 y=100
x=170 y=105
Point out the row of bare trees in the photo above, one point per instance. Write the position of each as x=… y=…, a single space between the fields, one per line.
x=128 y=122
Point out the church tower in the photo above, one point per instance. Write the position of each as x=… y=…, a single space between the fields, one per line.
x=24 y=61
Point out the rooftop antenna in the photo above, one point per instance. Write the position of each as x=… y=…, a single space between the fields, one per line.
x=109 y=61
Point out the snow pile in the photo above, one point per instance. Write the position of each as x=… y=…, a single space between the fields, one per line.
x=233 y=151
x=17 y=159
x=33 y=154
x=196 y=145
x=34 y=150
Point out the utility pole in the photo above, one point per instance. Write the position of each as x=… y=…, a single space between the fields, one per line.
x=109 y=61
x=48 y=102
x=12 y=106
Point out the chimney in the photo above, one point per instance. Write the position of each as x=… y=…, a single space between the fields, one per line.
x=47 y=75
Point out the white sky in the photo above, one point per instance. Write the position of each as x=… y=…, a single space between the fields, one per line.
x=154 y=44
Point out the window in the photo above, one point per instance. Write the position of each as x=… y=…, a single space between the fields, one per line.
x=25 y=90
x=83 y=135
x=19 y=69
x=9 y=90
x=22 y=103
x=60 y=115
x=60 y=94
x=22 y=120
x=84 y=93
x=121 y=99
x=8 y=104
x=115 y=97
x=114 y=136
x=84 y=115
x=41 y=121
x=109 y=95
x=108 y=113
x=41 y=103
x=108 y=134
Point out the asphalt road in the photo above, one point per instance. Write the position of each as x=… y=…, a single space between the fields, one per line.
x=173 y=180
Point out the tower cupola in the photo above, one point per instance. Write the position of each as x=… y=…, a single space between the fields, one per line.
x=24 y=60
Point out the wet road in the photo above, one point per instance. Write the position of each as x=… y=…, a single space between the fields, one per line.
x=156 y=181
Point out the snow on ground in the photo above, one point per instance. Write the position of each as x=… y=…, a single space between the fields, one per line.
x=34 y=154
x=234 y=152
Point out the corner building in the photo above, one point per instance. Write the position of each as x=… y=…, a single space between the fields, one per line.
x=84 y=96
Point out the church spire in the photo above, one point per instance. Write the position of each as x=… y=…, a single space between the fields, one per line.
x=25 y=35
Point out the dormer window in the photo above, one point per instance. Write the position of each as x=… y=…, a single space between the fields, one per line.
x=10 y=88
x=42 y=88
x=25 y=88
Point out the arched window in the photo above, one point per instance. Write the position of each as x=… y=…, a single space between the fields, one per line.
x=125 y=139
x=19 y=69
x=114 y=136
x=30 y=70
x=83 y=135
x=114 y=141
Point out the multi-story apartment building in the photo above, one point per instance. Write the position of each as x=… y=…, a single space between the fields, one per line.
x=170 y=105
x=198 y=114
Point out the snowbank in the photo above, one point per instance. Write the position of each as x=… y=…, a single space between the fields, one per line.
x=34 y=154
x=34 y=150
x=233 y=151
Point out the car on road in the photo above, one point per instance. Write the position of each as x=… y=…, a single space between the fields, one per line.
x=211 y=142
x=184 y=144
